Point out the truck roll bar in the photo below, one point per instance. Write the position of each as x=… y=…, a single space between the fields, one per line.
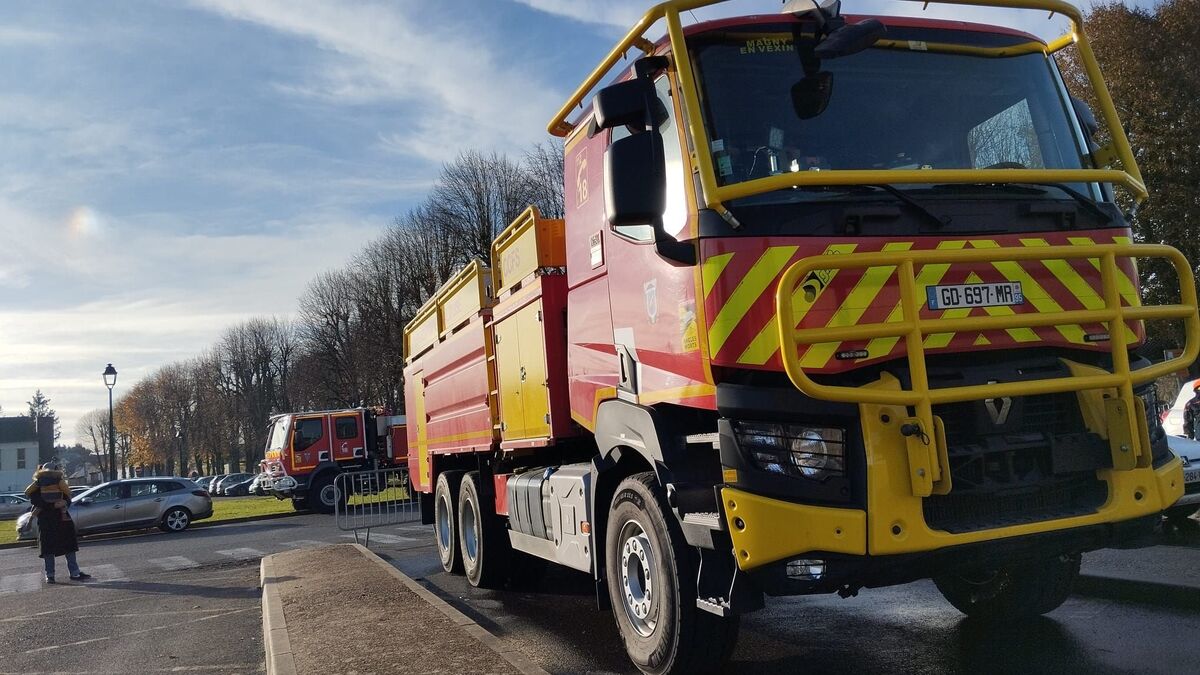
x=927 y=443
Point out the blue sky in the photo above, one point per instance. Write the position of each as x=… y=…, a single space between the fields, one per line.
x=170 y=168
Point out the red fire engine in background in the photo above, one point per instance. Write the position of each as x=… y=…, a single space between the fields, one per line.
x=306 y=450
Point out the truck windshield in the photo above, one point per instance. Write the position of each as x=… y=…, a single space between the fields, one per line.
x=279 y=434
x=888 y=108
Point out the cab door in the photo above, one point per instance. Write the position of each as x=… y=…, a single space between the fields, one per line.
x=349 y=437
x=310 y=443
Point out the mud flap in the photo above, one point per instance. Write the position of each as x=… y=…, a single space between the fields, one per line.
x=721 y=588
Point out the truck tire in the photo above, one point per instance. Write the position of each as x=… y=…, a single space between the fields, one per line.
x=323 y=495
x=1012 y=593
x=651 y=576
x=445 y=520
x=481 y=536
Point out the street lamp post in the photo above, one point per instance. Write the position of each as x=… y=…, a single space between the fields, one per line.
x=110 y=381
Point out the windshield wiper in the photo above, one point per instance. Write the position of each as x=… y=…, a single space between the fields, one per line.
x=915 y=205
x=1083 y=200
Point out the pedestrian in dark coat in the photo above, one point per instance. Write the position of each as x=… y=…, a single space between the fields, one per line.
x=50 y=496
x=1191 y=414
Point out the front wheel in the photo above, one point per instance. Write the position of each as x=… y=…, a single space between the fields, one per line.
x=175 y=520
x=323 y=495
x=651 y=576
x=1014 y=592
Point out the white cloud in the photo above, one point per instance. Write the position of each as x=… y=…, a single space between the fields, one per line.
x=18 y=36
x=462 y=97
x=618 y=13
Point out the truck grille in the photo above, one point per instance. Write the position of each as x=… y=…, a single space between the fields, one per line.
x=1024 y=460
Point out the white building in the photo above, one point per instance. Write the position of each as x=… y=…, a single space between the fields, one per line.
x=20 y=452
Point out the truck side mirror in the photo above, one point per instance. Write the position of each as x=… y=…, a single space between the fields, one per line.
x=1087 y=119
x=623 y=103
x=635 y=181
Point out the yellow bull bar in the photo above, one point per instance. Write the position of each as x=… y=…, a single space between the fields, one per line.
x=926 y=444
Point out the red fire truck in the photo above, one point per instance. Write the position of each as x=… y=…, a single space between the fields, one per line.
x=306 y=450
x=837 y=303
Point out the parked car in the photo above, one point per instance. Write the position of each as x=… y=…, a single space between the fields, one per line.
x=231 y=480
x=241 y=489
x=1189 y=451
x=171 y=504
x=211 y=485
x=202 y=481
x=12 y=506
x=261 y=485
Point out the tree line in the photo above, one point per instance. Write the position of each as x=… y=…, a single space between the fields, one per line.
x=344 y=346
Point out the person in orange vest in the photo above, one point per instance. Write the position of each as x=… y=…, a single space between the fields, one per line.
x=50 y=496
x=1191 y=413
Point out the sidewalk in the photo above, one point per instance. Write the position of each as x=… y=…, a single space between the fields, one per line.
x=342 y=608
x=1173 y=565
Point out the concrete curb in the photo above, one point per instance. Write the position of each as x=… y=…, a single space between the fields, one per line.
x=275 y=636
x=1138 y=591
x=108 y=536
x=514 y=657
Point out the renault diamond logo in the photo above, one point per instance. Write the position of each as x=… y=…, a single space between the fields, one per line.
x=998 y=408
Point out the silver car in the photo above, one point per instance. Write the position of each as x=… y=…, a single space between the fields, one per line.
x=171 y=504
x=12 y=506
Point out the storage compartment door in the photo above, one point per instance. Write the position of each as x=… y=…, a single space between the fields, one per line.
x=535 y=395
x=509 y=375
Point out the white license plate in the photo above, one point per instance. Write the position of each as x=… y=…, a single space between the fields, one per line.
x=953 y=296
x=1191 y=476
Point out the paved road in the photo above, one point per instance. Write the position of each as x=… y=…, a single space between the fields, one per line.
x=554 y=621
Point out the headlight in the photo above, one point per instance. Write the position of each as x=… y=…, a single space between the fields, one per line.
x=815 y=453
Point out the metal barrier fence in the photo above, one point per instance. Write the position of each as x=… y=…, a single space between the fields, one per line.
x=375 y=498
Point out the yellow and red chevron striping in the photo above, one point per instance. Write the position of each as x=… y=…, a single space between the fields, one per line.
x=740 y=276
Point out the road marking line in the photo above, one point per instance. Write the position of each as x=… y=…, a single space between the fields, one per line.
x=136 y=632
x=20 y=583
x=382 y=538
x=304 y=543
x=105 y=573
x=242 y=553
x=175 y=562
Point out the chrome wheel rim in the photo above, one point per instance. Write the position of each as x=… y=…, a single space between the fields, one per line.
x=328 y=495
x=470 y=533
x=443 y=525
x=177 y=520
x=637 y=581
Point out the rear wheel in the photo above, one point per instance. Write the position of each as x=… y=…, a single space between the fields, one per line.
x=323 y=495
x=481 y=536
x=1014 y=592
x=651 y=576
x=445 y=524
x=176 y=519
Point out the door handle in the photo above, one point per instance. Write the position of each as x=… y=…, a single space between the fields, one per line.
x=158 y=499
x=117 y=506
